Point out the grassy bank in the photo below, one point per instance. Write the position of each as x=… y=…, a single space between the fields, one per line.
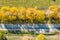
x=29 y=3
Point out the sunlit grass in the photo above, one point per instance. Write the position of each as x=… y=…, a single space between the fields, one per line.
x=29 y=3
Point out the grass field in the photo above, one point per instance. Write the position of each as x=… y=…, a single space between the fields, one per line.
x=29 y=3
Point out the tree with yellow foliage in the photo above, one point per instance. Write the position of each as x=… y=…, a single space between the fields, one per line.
x=2 y=16
x=40 y=15
x=58 y=18
x=30 y=14
x=52 y=12
x=21 y=9
x=13 y=9
x=11 y=17
x=21 y=13
x=5 y=8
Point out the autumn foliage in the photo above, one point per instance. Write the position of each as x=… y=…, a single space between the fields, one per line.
x=27 y=15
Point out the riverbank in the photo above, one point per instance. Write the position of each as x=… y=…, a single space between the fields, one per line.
x=30 y=37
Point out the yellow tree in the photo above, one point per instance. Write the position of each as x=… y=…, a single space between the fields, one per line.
x=30 y=14
x=13 y=10
x=52 y=12
x=5 y=8
x=21 y=13
x=58 y=17
x=40 y=15
x=12 y=17
x=3 y=16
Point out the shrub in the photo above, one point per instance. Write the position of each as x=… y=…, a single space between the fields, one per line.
x=40 y=37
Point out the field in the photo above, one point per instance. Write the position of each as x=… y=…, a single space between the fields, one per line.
x=29 y=3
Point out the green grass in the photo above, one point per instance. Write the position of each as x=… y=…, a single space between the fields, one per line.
x=29 y=3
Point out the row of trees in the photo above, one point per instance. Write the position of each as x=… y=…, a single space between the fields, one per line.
x=29 y=15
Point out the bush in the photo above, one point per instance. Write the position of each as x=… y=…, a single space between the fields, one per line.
x=2 y=33
x=40 y=37
x=1 y=36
